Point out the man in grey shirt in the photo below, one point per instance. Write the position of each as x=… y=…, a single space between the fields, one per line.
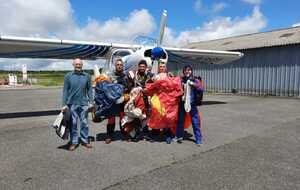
x=77 y=97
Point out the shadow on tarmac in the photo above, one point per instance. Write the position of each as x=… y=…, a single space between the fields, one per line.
x=213 y=102
x=28 y=114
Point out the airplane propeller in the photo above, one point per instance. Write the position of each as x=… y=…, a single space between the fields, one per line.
x=158 y=52
x=163 y=21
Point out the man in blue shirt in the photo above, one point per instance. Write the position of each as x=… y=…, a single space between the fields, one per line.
x=77 y=97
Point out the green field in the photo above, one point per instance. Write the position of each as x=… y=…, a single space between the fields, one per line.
x=44 y=78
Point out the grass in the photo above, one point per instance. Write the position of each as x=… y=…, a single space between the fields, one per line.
x=48 y=79
x=44 y=78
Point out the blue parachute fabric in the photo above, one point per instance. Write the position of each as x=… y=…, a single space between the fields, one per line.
x=106 y=94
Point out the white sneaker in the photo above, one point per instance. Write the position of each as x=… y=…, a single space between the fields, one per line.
x=178 y=140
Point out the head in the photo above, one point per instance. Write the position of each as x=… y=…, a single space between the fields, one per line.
x=77 y=64
x=142 y=66
x=162 y=67
x=119 y=65
x=187 y=71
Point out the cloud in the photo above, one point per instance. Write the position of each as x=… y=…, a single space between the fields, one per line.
x=201 y=8
x=219 y=27
x=139 y=22
x=296 y=24
x=253 y=2
x=35 y=17
x=198 y=6
x=55 y=19
x=218 y=7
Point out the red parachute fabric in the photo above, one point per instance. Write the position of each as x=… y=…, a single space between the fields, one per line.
x=187 y=122
x=139 y=102
x=165 y=94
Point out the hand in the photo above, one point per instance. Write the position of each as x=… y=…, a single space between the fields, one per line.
x=64 y=109
x=170 y=74
x=192 y=83
x=126 y=97
x=144 y=91
x=91 y=107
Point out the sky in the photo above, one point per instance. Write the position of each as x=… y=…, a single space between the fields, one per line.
x=123 y=20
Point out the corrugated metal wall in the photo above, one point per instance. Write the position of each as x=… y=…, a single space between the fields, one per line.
x=265 y=71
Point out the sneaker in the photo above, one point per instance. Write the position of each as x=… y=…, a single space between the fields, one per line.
x=178 y=140
x=72 y=147
x=107 y=140
x=147 y=138
x=168 y=140
x=136 y=139
x=87 y=145
x=199 y=143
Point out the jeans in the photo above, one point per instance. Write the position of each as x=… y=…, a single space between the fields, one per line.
x=195 y=122
x=81 y=112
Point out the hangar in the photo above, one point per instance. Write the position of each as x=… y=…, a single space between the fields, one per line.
x=270 y=66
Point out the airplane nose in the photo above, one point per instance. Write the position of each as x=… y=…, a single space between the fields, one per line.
x=157 y=53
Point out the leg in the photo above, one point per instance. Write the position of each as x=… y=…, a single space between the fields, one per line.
x=74 y=117
x=145 y=129
x=180 y=127
x=110 y=129
x=84 y=129
x=196 y=124
x=168 y=134
x=121 y=115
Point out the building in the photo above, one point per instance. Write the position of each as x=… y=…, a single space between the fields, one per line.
x=270 y=66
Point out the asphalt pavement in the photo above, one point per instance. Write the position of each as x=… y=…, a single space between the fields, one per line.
x=249 y=143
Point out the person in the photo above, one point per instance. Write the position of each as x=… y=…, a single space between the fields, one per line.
x=162 y=68
x=143 y=74
x=189 y=105
x=163 y=74
x=162 y=71
x=78 y=97
x=165 y=92
x=140 y=78
x=118 y=77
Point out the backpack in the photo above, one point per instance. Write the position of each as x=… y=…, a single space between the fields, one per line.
x=199 y=95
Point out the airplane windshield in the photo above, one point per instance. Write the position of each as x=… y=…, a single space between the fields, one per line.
x=145 y=41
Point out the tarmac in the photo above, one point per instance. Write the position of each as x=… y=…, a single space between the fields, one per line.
x=249 y=143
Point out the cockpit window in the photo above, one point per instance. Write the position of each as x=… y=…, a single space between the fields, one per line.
x=121 y=53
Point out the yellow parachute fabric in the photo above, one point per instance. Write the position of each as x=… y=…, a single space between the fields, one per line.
x=156 y=104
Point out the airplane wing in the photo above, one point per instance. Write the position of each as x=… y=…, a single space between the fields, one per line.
x=24 y=47
x=182 y=55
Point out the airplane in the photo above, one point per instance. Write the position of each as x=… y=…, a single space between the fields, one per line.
x=27 y=47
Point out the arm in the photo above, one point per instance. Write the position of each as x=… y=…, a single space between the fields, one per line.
x=90 y=90
x=65 y=93
x=150 y=89
x=199 y=86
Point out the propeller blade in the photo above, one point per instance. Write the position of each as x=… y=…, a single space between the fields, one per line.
x=163 y=21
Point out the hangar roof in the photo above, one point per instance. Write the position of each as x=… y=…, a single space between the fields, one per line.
x=279 y=37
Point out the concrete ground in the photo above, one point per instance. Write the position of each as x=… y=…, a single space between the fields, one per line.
x=249 y=143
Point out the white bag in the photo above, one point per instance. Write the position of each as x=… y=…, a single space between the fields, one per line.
x=61 y=126
x=187 y=96
x=58 y=120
